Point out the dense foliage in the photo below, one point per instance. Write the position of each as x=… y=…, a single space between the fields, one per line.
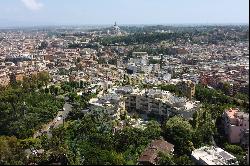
x=24 y=110
x=179 y=132
x=200 y=35
x=11 y=152
x=91 y=140
x=141 y=38
x=216 y=100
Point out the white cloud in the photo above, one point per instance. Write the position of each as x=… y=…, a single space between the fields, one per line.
x=32 y=4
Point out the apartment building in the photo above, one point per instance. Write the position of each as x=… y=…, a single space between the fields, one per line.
x=113 y=104
x=187 y=87
x=152 y=102
x=160 y=103
x=236 y=125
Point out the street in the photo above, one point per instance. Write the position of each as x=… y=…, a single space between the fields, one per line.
x=58 y=120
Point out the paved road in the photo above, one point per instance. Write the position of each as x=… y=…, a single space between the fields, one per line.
x=61 y=115
x=66 y=109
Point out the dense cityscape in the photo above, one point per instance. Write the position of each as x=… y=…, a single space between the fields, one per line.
x=124 y=82
x=128 y=95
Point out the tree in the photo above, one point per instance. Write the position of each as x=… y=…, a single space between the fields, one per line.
x=73 y=97
x=131 y=142
x=66 y=88
x=242 y=96
x=179 y=132
x=153 y=130
x=11 y=96
x=10 y=151
x=81 y=84
x=43 y=45
x=94 y=155
x=226 y=87
x=112 y=61
x=154 y=61
x=30 y=143
x=46 y=90
x=165 y=159
x=238 y=152
x=74 y=84
x=44 y=77
x=204 y=128
x=171 y=88
x=102 y=61
x=183 y=160
x=22 y=112
x=234 y=149
x=54 y=90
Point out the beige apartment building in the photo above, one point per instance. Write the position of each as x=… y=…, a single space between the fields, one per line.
x=160 y=103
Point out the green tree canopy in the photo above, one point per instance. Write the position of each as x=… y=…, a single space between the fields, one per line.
x=11 y=152
x=179 y=132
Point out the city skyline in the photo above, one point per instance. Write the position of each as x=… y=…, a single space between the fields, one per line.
x=64 y=12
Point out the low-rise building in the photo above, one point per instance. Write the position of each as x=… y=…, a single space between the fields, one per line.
x=213 y=156
x=150 y=154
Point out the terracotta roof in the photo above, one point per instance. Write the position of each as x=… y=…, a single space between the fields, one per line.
x=151 y=152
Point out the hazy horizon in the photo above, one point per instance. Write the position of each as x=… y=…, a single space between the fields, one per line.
x=33 y=13
x=108 y=25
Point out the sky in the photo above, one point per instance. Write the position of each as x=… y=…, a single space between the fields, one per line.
x=92 y=12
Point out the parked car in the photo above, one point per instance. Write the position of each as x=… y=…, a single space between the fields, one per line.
x=59 y=117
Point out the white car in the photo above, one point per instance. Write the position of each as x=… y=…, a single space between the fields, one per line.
x=59 y=118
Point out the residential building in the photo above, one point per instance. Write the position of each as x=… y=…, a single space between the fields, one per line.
x=187 y=87
x=161 y=104
x=236 y=125
x=150 y=154
x=113 y=104
x=210 y=155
